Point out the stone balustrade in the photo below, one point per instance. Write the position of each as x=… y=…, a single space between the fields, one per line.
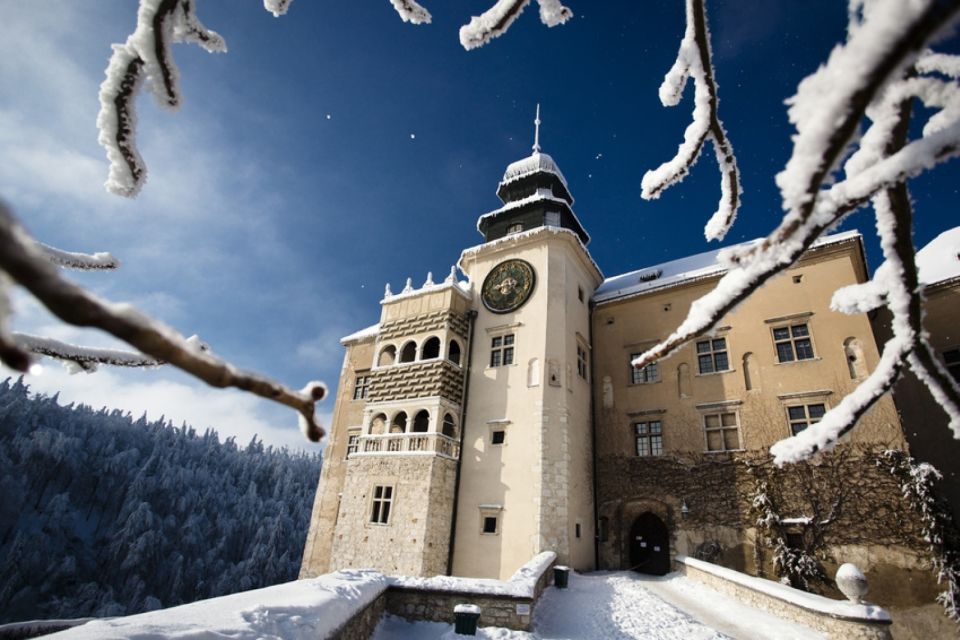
x=408 y=443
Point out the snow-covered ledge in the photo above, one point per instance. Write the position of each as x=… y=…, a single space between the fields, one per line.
x=836 y=618
x=504 y=603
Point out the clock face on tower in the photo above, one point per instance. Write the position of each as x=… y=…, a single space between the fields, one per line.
x=508 y=286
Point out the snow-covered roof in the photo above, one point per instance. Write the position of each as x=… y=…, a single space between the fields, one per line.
x=363 y=334
x=676 y=272
x=534 y=163
x=939 y=260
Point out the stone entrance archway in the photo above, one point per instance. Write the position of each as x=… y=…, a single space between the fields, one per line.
x=649 y=545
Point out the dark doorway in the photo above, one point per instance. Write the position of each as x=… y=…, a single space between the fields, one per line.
x=649 y=545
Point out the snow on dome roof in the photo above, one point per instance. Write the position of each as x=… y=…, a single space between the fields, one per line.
x=534 y=163
x=939 y=260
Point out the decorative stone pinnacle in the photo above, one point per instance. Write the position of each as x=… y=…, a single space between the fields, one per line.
x=452 y=278
x=409 y=286
x=851 y=582
x=386 y=291
x=429 y=282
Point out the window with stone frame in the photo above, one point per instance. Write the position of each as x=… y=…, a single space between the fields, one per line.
x=361 y=386
x=722 y=431
x=501 y=350
x=712 y=355
x=803 y=415
x=649 y=373
x=793 y=342
x=353 y=442
x=649 y=438
x=582 y=361
x=490 y=519
x=382 y=504
x=951 y=358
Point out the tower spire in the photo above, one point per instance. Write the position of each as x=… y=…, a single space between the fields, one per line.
x=536 y=131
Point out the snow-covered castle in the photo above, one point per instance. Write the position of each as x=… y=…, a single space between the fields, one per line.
x=483 y=421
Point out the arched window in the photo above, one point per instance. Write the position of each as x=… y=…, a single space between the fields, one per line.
x=378 y=424
x=683 y=380
x=388 y=355
x=399 y=423
x=855 y=362
x=453 y=352
x=421 y=421
x=749 y=371
x=431 y=349
x=449 y=426
x=409 y=352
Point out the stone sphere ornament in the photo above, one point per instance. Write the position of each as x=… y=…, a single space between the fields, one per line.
x=851 y=582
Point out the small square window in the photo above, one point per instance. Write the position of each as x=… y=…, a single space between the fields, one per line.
x=489 y=524
x=649 y=373
x=515 y=228
x=498 y=436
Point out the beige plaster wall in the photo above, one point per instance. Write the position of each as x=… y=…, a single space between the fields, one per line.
x=541 y=475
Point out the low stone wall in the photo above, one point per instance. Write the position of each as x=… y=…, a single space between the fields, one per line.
x=363 y=623
x=507 y=603
x=835 y=618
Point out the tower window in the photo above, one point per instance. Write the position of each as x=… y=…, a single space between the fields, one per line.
x=490 y=524
x=552 y=219
x=712 y=355
x=649 y=373
x=501 y=350
x=515 y=228
x=582 y=361
x=580 y=294
x=382 y=501
x=498 y=436
x=360 y=387
x=353 y=442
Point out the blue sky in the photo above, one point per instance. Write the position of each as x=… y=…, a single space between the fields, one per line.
x=337 y=148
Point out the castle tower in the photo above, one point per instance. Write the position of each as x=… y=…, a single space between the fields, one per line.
x=526 y=477
x=386 y=493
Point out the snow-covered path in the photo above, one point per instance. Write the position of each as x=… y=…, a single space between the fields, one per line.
x=625 y=606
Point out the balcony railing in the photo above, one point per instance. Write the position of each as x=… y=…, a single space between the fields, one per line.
x=400 y=443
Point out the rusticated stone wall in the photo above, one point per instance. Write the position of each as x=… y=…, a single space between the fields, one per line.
x=435 y=321
x=418 y=380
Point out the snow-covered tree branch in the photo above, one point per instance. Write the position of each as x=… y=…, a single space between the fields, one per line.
x=693 y=59
x=495 y=21
x=871 y=75
x=22 y=262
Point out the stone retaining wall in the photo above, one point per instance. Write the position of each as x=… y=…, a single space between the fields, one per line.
x=363 y=623
x=837 y=619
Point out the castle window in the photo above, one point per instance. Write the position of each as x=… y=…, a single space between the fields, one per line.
x=409 y=352
x=382 y=501
x=804 y=415
x=449 y=426
x=360 y=387
x=582 y=361
x=649 y=437
x=353 y=442
x=552 y=219
x=722 y=431
x=490 y=524
x=453 y=352
x=498 y=436
x=793 y=343
x=501 y=350
x=431 y=348
x=515 y=228
x=387 y=356
x=649 y=373
x=952 y=360
x=580 y=294
x=712 y=355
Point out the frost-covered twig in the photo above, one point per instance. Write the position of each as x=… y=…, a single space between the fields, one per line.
x=412 y=12
x=145 y=54
x=25 y=264
x=871 y=70
x=81 y=261
x=277 y=7
x=83 y=358
x=693 y=60
x=495 y=21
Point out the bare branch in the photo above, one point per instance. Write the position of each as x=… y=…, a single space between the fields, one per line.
x=412 y=12
x=81 y=261
x=693 y=60
x=26 y=265
x=85 y=358
x=146 y=52
x=10 y=352
x=495 y=21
